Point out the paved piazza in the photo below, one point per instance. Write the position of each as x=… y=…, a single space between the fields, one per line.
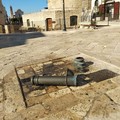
x=97 y=97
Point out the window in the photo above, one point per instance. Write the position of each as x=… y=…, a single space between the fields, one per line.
x=96 y=3
x=28 y=22
x=73 y=20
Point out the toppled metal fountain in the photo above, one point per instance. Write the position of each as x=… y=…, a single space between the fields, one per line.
x=46 y=100
x=69 y=80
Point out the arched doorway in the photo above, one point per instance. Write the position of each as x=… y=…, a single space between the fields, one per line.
x=48 y=24
x=96 y=3
x=73 y=20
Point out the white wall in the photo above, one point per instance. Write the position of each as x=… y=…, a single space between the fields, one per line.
x=58 y=4
x=93 y=3
x=38 y=18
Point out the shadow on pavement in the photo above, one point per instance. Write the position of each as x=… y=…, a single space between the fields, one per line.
x=96 y=77
x=11 y=40
x=102 y=75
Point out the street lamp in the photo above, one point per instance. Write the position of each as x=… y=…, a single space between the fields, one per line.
x=64 y=21
x=104 y=8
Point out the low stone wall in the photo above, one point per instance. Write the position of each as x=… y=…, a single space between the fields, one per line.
x=2 y=30
x=12 y=28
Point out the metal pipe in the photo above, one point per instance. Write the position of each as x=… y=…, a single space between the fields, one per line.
x=54 y=80
x=79 y=64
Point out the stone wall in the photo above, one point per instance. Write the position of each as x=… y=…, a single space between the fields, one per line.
x=2 y=14
x=86 y=4
x=69 y=4
x=12 y=29
x=69 y=13
x=55 y=11
x=2 y=30
x=2 y=19
x=38 y=19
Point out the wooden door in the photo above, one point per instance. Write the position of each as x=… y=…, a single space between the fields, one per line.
x=49 y=24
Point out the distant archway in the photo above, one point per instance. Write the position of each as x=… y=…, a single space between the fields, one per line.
x=95 y=3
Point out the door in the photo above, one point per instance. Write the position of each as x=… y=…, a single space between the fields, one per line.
x=48 y=24
x=102 y=12
x=73 y=20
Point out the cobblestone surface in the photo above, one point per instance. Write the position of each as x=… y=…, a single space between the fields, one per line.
x=97 y=99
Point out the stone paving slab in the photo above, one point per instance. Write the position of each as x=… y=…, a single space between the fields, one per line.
x=25 y=72
x=88 y=101
x=60 y=93
x=63 y=115
x=1 y=91
x=116 y=80
x=55 y=105
x=12 y=94
x=103 y=108
x=31 y=101
x=114 y=95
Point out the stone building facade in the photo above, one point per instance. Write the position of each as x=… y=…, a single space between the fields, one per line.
x=109 y=9
x=52 y=17
x=2 y=14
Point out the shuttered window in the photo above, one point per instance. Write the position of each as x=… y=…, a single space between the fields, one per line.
x=101 y=9
x=116 y=10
